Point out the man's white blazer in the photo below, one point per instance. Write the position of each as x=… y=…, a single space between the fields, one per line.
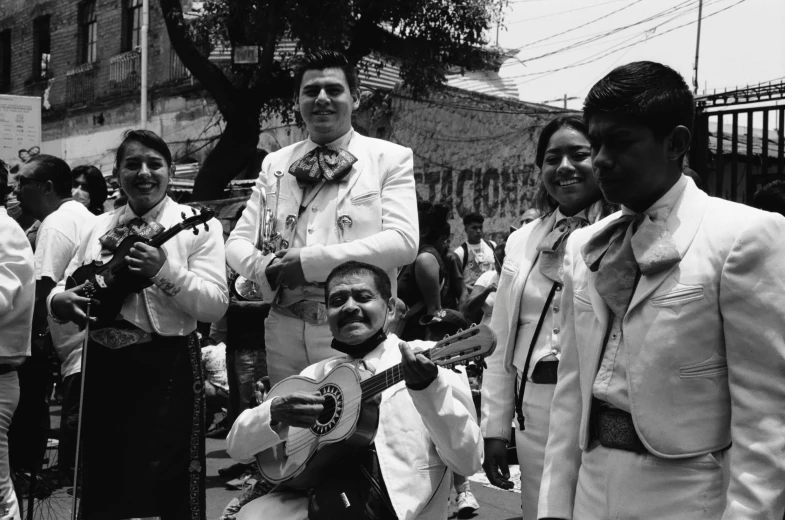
x=705 y=354
x=376 y=200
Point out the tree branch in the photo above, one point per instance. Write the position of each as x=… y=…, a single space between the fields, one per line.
x=228 y=99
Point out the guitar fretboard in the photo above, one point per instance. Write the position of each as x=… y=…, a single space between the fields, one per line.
x=384 y=380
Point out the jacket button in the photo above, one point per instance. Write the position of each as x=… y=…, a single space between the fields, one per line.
x=314 y=209
x=310 y=230
x=558 y=287
x=556 y=330
x=556 y=310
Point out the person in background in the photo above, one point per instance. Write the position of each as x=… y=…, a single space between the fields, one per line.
x=484 y=293
x=44 y=191
x=521 y=376
x=771 y=197
x=476 y=253
x=143 y=377
x=17 y=298
x=530 y=215
x=89 y=188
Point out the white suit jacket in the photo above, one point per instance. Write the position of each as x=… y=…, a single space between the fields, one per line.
x=422 y=436
x=498 y=385
x=705 y=354
x=378 y=195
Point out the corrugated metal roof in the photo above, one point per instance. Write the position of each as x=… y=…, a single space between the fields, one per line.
x=484 y=82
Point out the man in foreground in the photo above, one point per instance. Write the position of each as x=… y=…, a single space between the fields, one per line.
x=672 y=329
x=427 y=425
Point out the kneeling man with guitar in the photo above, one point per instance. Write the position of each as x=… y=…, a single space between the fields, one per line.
x=373 y=434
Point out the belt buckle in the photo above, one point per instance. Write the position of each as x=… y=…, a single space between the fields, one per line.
x=311 y=311
x=114 y=338
x=616 y=430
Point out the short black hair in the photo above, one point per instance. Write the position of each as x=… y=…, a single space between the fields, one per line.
x=321 y=60
x=771 y=197
x=652 y=93
x=471 y=218
x=433 y=221
x=3 y=182
x=55 y=170
x=352 y=268
x=146 y=138
x=96 y=185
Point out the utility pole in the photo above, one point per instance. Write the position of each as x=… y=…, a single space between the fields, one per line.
x=698 y=46
x=563 y=99
x=143 y=43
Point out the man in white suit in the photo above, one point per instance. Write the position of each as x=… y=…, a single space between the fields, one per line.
x=342 y=196
x=427 y=425
x=672 y=334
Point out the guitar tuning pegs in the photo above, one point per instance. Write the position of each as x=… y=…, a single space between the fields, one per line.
x=455 y=369
x=193 y=210
x=196 y=231
x=206 y=227
x=182 y=214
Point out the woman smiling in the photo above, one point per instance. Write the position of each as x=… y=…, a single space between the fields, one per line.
x=521 y=374
x=143 y=410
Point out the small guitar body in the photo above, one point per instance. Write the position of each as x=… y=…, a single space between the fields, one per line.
x=346 y=424
x=351 y=412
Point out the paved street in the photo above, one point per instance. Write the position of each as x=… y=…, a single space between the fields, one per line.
x=495 y=504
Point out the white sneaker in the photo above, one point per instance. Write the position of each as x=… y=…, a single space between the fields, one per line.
x=467 y=503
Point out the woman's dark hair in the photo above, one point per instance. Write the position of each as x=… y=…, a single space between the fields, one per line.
x=96 y=186
x=146 y=138
x=433 y=221
x=653 y=94
x=321 y=60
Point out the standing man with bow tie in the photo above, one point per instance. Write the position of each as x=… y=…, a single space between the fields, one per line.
x=672 y=330
x=343 y=196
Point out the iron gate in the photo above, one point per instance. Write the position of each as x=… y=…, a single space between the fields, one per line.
x=736 y=146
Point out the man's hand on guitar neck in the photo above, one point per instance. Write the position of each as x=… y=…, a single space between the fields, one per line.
x=418 y=370
x=300 y=409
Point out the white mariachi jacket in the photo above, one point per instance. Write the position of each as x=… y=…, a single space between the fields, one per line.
x=423 y=435
x=373 y=220
x=705 y=354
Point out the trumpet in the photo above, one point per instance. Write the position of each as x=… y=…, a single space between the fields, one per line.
x=268 y=240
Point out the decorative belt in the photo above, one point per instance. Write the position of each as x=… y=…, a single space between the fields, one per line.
x=544 y=372
x=614 y=428
x=120 y=336
x=7 y=369
x=306 y=310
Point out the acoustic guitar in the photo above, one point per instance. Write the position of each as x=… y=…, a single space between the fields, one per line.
x=351 y=412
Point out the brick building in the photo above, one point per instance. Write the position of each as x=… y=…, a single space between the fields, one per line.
x=473 y=143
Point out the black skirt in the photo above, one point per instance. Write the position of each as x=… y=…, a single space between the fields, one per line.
x=143 y=431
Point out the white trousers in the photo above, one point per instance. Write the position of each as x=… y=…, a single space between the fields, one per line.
x=530 y=443
x=617 y=484
x=292 y=344
x=9 y=399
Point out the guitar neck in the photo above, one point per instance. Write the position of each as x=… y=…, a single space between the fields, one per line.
x=380 y=382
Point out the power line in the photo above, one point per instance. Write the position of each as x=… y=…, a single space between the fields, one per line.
x=564 y=12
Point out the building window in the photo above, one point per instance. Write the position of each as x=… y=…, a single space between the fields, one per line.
x=133 y=24
x=88 y=33
x=5 y=60
x=41 y=47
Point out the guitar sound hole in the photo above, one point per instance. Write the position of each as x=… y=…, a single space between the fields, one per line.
x=333 y=409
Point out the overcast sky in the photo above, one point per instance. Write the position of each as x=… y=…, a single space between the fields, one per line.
x=744 y=43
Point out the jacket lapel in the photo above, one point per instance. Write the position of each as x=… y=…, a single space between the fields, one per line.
x=683 y=223
x=358 y=147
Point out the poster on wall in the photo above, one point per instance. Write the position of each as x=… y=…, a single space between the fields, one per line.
x=20 y=130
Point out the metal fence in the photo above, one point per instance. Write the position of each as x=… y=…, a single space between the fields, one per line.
x=125 y=72
x=80 y=84
x=177 y=71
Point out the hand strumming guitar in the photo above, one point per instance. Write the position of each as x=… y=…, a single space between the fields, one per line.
x=418 y=370
x=300 y=409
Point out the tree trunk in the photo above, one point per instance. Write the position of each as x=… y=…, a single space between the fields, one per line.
x=234 y=150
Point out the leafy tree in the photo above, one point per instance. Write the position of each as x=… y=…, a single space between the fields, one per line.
x=425 y=37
